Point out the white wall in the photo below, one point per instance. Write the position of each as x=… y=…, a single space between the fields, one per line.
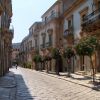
x=76 y=17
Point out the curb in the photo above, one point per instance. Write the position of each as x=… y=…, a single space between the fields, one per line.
x=66 y=80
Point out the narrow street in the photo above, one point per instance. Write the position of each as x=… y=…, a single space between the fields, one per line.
x=33 y=85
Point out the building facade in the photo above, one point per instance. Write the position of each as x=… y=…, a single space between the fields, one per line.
x=74 y=11
x=50 y=36
x=15 y=53
x=63 y=25
x=30 y=44
x=6 y=35
x=91 y=26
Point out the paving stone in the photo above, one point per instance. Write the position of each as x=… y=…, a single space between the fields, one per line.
x=34 y=85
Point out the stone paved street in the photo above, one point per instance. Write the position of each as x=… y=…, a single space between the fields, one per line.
x=33 y=85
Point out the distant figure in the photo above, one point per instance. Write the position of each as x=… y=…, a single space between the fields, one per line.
x=16 y=65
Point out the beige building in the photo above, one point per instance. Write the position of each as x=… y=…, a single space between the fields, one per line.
x=15 y=53
x=64 y=24
x=49 y=34
x=74 y=11
x=30 y=44
x=91 y=26
x=6 y=35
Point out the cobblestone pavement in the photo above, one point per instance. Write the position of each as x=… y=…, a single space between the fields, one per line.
x=33 y=85
x=7 y=87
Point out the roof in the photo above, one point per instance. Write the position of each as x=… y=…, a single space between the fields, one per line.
x=50 y=8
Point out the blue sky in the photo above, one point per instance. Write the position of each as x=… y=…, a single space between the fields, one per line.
x=25 y=13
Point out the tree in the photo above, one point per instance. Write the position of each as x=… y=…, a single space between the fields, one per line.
x=37 y=59
x=57 y=56
x=86 y=47
x=68 y=54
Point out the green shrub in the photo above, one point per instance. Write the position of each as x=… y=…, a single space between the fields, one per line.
x=37 y=58
x=29 y=65
x=68 y=53
x=55 y=53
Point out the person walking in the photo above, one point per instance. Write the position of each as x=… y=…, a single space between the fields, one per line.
x=16 y=65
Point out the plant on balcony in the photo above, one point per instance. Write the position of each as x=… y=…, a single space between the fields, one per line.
x=87 y=47
x=68 y=54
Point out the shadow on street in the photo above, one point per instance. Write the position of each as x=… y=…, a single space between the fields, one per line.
x=22 y=91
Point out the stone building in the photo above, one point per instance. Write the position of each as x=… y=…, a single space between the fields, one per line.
x=64 y=24
x=91 y=26
x=50 y=36
x=6 y=35
x=30 y=44
x=74 y=11
x=15 y=53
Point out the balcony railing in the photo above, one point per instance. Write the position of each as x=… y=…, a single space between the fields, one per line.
x=68 y=31
x=51 y=17
x=48 y=44
x=91 y=18
x=42 y=46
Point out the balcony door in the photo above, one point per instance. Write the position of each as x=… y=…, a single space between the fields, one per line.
x=43 y=39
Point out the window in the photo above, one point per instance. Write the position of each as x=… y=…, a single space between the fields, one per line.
x=50 y=40
x=35 y=43
x=69 y=23
x=46 y=19
x=43 y=41
x=52 y=13
x=30 y=44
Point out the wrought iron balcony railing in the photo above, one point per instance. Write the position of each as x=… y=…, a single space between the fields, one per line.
x=51 y=17
x=48 y=44
x=42 y=46
x=68 y=31
x=91 y=18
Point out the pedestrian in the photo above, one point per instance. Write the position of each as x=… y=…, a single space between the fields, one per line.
x=16 y=65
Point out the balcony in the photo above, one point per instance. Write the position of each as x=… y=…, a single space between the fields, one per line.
x=50 y=18
x=68 y=35
x=68 y=31
x=48 y=44
x=42 y=46
x=91 y=22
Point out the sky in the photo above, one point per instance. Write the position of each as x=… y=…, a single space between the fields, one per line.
x=25 y=13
